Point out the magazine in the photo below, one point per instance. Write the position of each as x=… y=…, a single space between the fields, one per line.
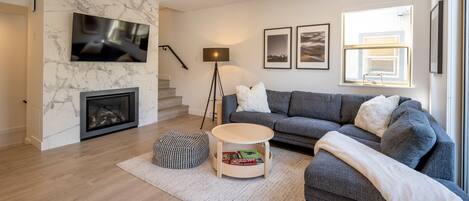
x=243 y=157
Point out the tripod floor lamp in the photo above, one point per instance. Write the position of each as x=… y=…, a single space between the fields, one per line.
x=214 y=55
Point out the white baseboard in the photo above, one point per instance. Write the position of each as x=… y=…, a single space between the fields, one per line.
x=200 y=112
x=13 y=130
x=12 y=136
x=35 y=142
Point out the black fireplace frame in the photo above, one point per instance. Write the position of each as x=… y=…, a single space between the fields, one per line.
x=84 y=134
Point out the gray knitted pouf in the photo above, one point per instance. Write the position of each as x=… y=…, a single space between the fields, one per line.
x=181 y=150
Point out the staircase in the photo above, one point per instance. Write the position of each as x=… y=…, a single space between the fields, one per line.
x=169 y=105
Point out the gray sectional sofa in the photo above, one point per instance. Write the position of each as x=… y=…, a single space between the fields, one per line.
x=302 y=118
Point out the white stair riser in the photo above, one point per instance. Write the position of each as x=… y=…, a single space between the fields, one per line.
x=173 y=112
x=166 y=93
x=169 y=102
x=163 y=83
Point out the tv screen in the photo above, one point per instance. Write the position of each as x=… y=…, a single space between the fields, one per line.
x=101 y=39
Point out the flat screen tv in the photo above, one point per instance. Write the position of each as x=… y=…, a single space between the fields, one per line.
x=108 y=40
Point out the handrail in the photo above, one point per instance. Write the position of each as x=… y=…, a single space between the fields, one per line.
x=167 y=47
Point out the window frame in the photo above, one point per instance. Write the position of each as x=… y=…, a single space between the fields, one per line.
x=368 y=47
x=402 y=45
x=398 y=58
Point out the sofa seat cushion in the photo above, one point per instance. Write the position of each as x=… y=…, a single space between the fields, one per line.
x=313 y=128
x=454 y=188
x=265 y=119
x=353 y=131
x=330 y=174
x=297 y=140
x=315 y=105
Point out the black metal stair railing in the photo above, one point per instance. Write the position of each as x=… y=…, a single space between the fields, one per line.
x=167 y=47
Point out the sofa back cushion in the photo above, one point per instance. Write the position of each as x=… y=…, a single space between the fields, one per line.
x=351 y=104
x=403 y=107
x=279 y=102
x=409 y=138
x=315 y=105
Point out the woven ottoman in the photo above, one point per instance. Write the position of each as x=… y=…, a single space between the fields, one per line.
x=181 y=150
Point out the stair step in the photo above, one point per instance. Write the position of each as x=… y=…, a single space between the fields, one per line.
x=173 y=101
x=173 y=112
x=163 y=83
x=166 y=92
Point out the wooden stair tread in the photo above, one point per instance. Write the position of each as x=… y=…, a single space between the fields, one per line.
x=168 y=98
x=174 y=108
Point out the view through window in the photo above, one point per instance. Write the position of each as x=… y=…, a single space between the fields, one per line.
x=377 y=46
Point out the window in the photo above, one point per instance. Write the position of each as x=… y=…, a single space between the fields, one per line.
x=377 y=47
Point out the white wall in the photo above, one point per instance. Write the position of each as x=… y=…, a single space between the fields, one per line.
x=18 y=2
x=13 y=55
x=438 y=85
x=446 y=89
x=240 y=27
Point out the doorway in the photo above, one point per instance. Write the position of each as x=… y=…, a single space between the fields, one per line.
x=13 y=65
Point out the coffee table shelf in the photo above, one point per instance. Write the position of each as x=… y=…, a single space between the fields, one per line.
x=239 y=171
x=238 y=136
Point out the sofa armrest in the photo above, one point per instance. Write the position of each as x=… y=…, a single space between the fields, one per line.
x=229 y=105
x=439 y=161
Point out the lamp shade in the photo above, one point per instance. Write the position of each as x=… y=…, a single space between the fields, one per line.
x=216 y=54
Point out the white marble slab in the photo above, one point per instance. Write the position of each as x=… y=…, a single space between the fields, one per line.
x=64 y=80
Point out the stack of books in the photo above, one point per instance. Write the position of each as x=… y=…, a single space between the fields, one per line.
x=243 y=157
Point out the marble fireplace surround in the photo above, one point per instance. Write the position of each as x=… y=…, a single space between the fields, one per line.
x=64 y=80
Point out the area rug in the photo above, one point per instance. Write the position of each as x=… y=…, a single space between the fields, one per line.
x=285 y=182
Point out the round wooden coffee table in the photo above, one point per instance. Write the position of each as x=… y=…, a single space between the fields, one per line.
x=233 y=137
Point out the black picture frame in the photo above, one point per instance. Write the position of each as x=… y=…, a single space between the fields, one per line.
x=328 y=41
x=289 y=64
x=436 y=42
x=33 y=6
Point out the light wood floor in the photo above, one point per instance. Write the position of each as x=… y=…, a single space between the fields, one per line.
x=87 y=170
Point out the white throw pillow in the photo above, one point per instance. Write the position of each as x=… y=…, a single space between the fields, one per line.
x=374 y=115
x=252 y=100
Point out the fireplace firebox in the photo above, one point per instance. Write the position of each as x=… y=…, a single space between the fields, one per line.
x=104 y=112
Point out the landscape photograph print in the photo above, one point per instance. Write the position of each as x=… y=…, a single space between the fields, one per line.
x=277 y=48
x=313 y=47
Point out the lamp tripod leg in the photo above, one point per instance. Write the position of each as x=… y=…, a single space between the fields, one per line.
x=214 y=91
x=219 y=81
x=208 y=100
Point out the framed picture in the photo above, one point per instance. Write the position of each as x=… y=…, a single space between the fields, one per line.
x=436 y=39
x=312 y=47
x=33 y=5
x=278 y=48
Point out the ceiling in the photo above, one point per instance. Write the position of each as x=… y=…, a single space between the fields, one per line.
x=190 y=5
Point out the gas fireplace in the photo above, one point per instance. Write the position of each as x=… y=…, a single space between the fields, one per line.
x=108 y=111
